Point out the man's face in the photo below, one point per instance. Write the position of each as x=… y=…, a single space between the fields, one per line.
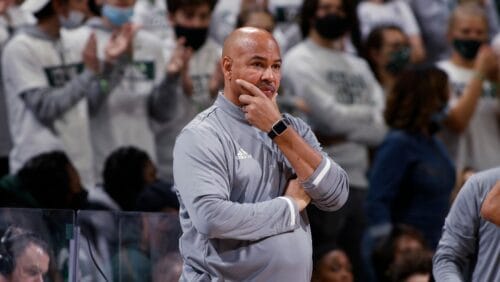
x=31 y=265
x=192 y=16
x=257 y=61
x=470 y=28
x=393 y=40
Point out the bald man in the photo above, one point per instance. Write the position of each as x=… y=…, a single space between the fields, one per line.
x=244 y=174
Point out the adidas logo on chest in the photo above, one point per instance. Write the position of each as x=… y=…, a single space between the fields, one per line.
x=242 y=155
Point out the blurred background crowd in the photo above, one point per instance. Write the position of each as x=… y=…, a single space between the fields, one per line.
x=403 y=94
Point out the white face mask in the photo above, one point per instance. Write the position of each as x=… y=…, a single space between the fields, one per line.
x=74 y=19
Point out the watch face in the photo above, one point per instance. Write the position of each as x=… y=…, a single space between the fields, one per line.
x=280 y=127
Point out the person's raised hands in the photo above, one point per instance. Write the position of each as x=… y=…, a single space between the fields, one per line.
x=486 y=63
x=89 y=54
x=179 y=64
x=121 y=42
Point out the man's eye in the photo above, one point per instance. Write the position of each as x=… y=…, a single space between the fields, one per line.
x=259 y=65
x=277 y=67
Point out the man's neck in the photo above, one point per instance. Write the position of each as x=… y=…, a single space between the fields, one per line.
x=334 y=44
x=232 y=97
x=50 y=26
x=458 y=60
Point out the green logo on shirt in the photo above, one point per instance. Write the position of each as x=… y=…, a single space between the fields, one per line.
x=58 y=76
x=146 y=68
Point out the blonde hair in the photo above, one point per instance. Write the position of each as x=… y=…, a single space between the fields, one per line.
x=467 y=8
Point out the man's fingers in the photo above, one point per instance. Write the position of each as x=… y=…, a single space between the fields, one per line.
x=245 y=99
x=275 y=96
x=252 y=89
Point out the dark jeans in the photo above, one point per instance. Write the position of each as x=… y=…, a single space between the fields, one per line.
x=342 y=229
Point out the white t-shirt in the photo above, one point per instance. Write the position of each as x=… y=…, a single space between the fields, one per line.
x=479 y=146
x=17 y=18
x=29 y=63
x=395 y=12
x=152 y=16
x=123 y=118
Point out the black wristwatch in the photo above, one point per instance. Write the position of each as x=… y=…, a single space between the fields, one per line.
x=278 y=128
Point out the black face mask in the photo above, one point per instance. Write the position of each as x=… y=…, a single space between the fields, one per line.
x=332 y=26
x=195 y=37
x=467 y=48
x=398 y=60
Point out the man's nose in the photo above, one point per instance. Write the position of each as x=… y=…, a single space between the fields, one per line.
x=268 y=74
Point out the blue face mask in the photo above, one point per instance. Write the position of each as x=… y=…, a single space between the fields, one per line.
x=117 y=16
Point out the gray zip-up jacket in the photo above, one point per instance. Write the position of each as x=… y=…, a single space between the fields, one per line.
x=469 y=249
x=231 y=178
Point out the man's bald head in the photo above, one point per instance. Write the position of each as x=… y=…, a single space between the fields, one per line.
x=246 y=38
x=253 y=55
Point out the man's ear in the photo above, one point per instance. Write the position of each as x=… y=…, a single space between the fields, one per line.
x=227 y=65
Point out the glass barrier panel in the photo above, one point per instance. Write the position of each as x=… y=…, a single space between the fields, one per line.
x=36 y=244
x=128 y=246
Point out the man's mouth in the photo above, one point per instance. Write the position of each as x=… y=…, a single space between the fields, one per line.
x=269 y=90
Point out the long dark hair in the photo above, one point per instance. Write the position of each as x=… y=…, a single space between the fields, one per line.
x=419 y=93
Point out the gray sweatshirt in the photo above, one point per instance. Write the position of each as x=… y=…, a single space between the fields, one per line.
x=469 y=241
x=231 y=178
x=344 y=99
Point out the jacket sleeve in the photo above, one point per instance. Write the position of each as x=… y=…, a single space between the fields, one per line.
x=328 y=186
x=459 y=239
x=163 y=100
x=48 y=104
x=202 y=178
